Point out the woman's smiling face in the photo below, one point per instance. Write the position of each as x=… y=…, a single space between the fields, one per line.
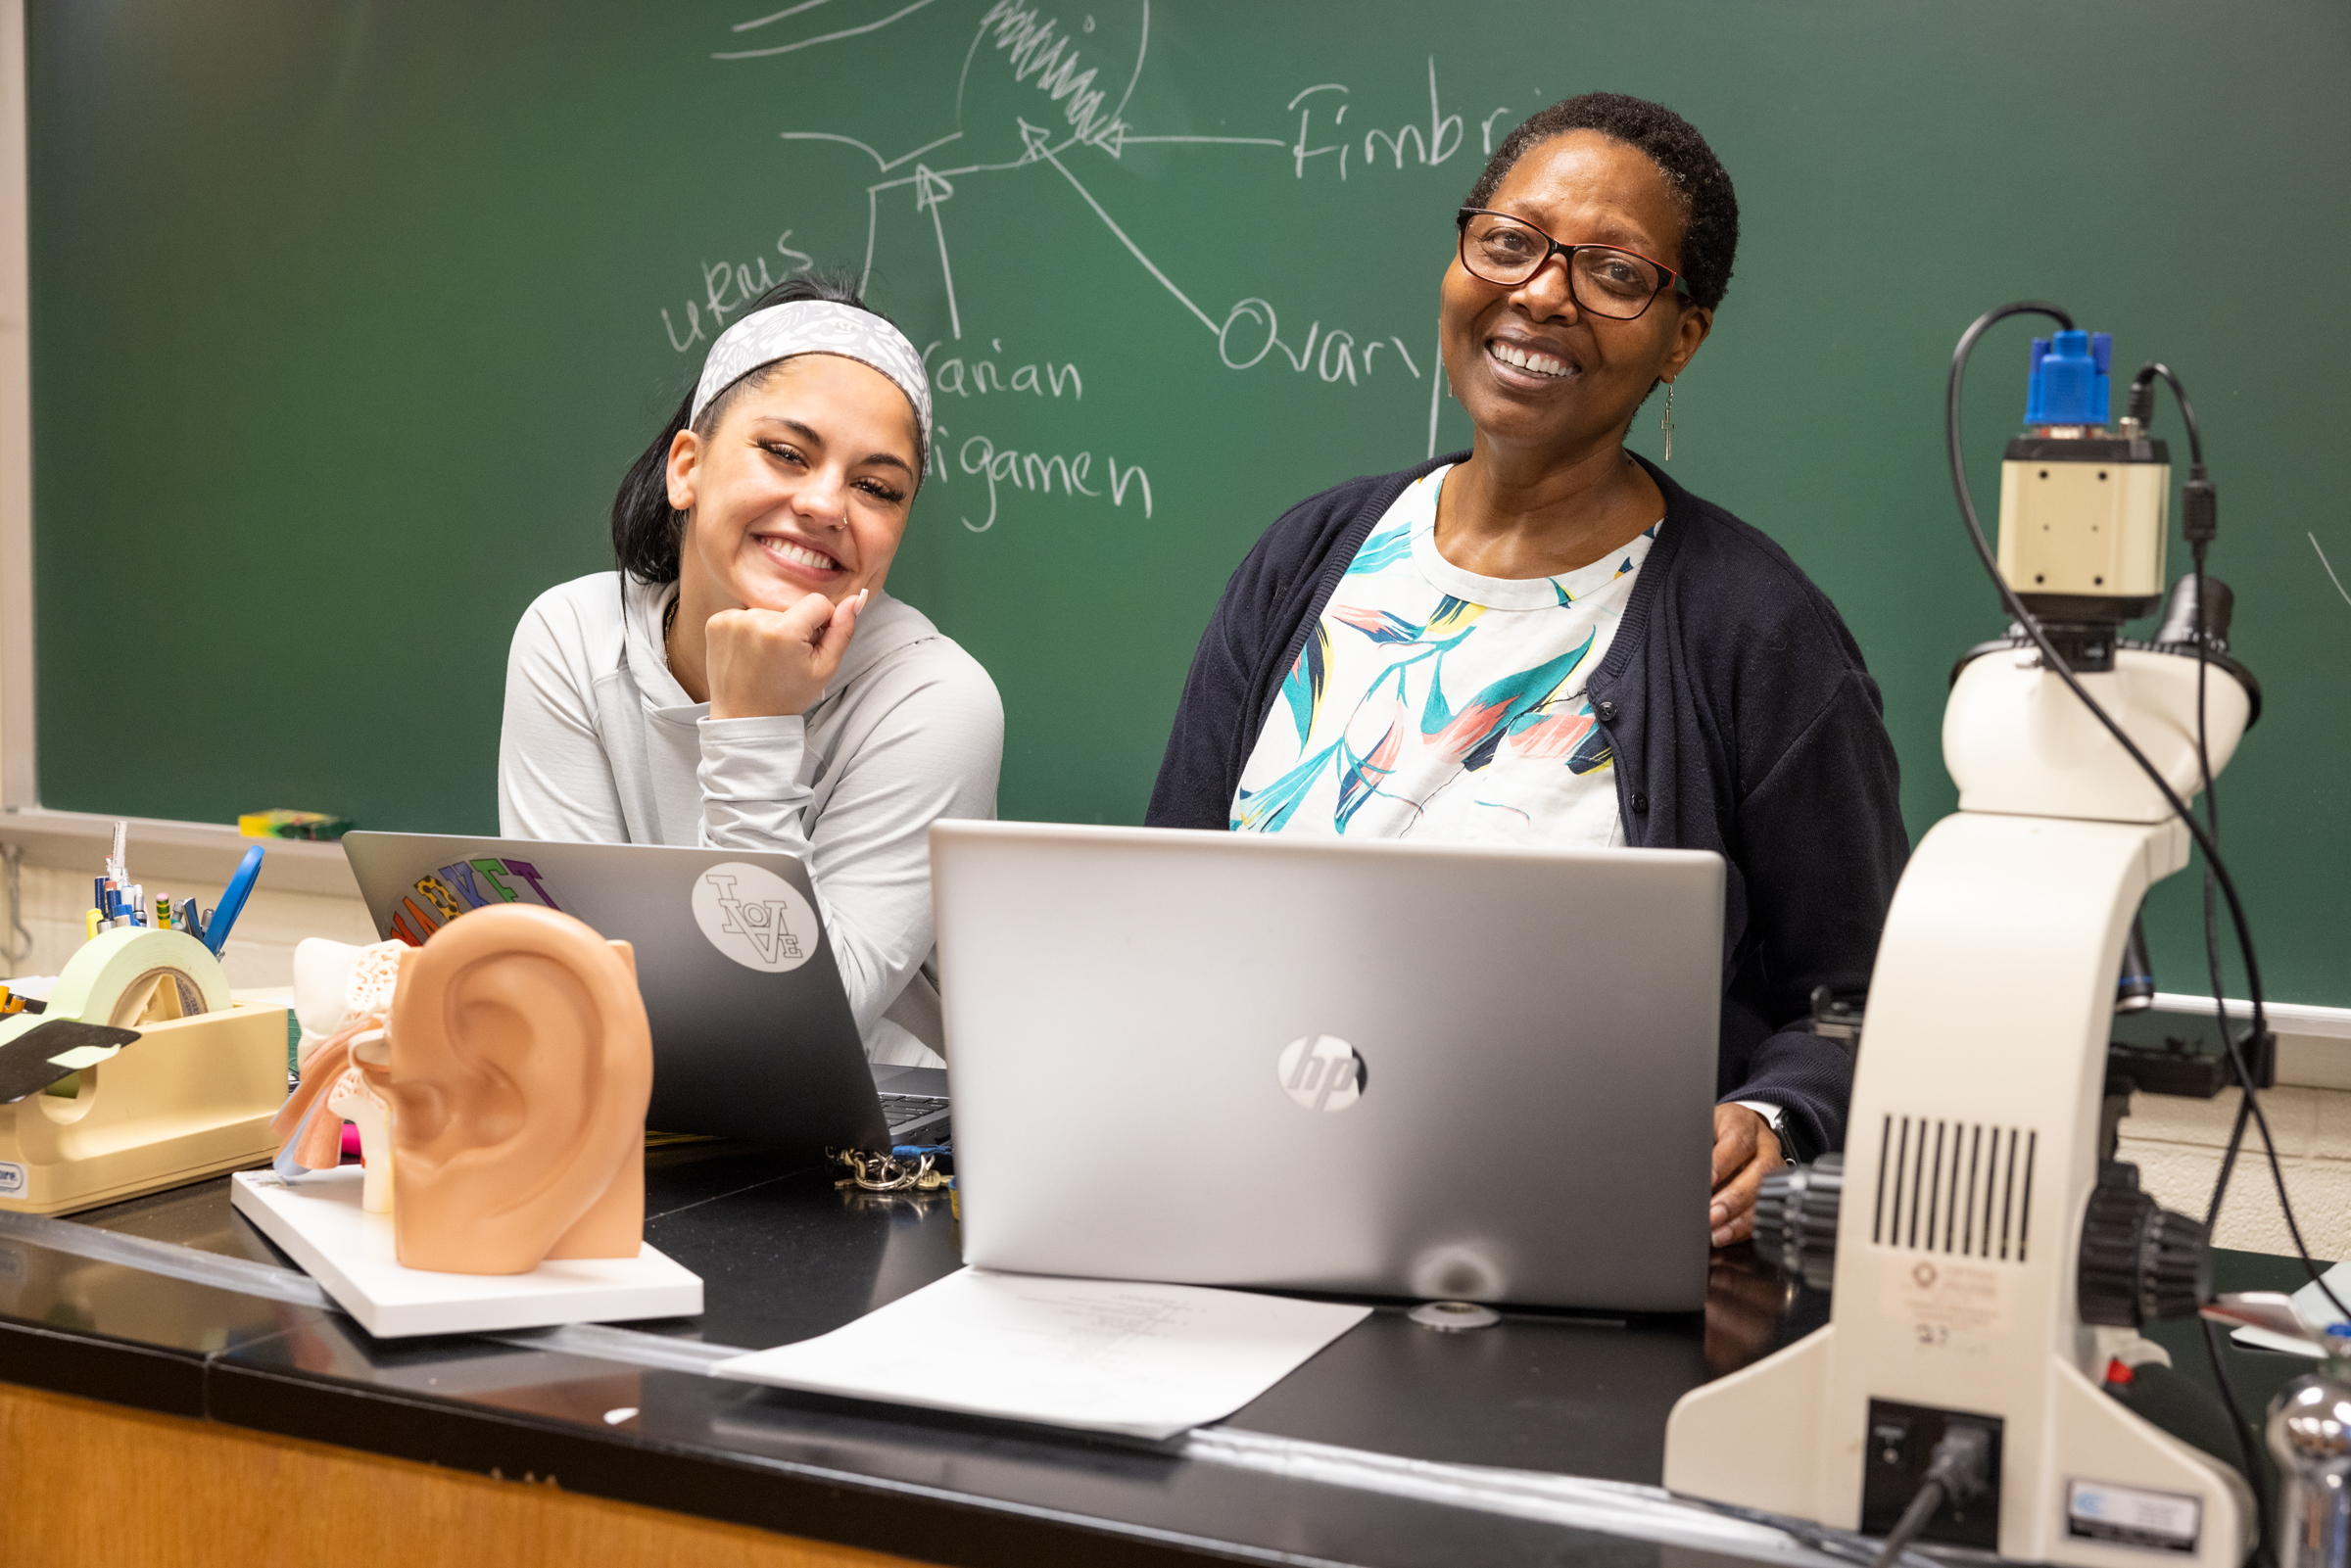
x=802 y=487
x=1531 y=367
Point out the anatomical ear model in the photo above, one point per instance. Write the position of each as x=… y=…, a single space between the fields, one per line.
x=343 y=996
x=519 y=1068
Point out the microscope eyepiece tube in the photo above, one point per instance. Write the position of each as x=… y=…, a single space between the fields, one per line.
x=2178 y=629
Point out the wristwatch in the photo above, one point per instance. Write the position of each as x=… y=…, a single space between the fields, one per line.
x=1775 y=1118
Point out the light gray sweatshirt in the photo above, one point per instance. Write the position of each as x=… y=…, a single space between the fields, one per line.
x=601 y=744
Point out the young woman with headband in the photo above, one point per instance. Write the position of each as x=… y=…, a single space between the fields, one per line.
x=743 y=681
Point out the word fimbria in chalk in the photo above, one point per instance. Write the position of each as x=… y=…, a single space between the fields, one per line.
x=441 y=896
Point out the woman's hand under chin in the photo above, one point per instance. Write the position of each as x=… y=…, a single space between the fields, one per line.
x=774 y=663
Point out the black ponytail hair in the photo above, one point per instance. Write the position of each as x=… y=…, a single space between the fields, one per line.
x=647 y=532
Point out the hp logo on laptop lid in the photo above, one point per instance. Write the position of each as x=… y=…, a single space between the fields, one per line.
x=1322 y=1072
x=755 y=917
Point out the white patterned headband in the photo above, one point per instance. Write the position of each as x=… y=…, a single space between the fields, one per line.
x=817 y=326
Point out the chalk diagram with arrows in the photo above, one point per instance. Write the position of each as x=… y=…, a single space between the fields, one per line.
x=1023 y=65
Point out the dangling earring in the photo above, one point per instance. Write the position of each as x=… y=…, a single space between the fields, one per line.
x=1665 y=422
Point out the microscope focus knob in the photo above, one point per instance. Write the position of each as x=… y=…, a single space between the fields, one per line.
x=2140 y=1262
x=1796 y=1219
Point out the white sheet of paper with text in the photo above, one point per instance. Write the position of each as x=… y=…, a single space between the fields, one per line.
x=1109 y=1356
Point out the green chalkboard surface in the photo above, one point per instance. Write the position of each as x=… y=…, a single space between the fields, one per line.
x=348 y=316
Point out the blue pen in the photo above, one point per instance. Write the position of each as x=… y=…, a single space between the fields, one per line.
x=232 y=901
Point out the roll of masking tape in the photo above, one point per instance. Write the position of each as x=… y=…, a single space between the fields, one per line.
x=139 y=974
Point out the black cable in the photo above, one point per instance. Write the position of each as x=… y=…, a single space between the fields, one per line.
x=2212 y=945
x=1956 y=1471
x=2220 y=1013
x=1843 y=1544
x=1923 y=1504
x=2200 y=523
x=2187 y=412
x=2142 y=408
x=2285 y=1206
x=2054 y=662
x=2237 y=1137
x=2248 y=1450
x=2200 y=506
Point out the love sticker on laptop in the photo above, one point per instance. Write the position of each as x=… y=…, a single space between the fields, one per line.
x=755 y=917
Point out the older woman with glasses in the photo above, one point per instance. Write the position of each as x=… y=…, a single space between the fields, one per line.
x=1545 y=640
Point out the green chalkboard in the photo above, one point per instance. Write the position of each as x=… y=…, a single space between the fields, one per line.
x=347 y=317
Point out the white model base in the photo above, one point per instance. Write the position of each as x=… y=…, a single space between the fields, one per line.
x=319 y=1221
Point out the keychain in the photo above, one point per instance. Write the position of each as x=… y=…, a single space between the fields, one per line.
x=905 y=1168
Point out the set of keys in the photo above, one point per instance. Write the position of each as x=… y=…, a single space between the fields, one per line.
x=905 y=1168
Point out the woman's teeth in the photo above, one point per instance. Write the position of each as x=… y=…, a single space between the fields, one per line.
x=802 y=555
x=1541 y=364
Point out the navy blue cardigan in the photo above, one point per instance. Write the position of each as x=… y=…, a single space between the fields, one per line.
x=1742 y=720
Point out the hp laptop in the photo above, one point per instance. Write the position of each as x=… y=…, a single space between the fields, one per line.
x=1379 y=1069
x=752 y=1034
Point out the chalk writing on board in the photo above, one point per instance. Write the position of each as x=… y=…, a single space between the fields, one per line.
x=1434 y=145
x=1037 y=470
x=729 y=286
x=952 y=377
x=2329 y=565
x=797 y=44
x=1058 y=76
x=1027 y=40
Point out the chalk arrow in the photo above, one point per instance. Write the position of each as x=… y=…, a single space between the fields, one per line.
x=931 y=193
x=1115 y=141
x=1035 y=139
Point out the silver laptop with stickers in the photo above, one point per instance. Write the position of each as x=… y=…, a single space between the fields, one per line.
x=752 y=1034
x=1380 y=1068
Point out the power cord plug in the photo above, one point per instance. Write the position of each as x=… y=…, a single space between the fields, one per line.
x=1955 y=1472
x=2200 y=516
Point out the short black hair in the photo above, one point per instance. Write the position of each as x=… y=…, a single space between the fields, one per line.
x=647 y=532
x=1709 y=207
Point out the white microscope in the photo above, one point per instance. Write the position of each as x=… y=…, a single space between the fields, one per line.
x=1988 y=1255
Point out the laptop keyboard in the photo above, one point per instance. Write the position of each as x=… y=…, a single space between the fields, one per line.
x=897 y=1109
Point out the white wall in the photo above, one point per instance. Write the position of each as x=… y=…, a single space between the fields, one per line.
x=2176 y=1146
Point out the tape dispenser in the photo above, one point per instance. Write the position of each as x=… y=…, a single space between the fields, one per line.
x=191 y=1097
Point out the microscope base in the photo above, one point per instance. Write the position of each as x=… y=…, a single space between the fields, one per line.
x=1971 y=1152
x=1756 y=1438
